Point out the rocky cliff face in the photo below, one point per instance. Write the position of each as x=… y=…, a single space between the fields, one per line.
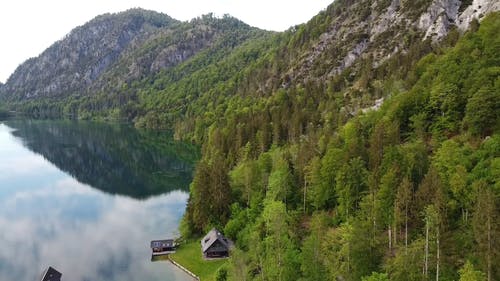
x=381 y=28
x=73 y=63
x=114 y=49
x=167 y=48
x=476 y=10
x=442 y=15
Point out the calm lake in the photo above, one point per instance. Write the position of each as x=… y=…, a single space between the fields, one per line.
x=87 y=198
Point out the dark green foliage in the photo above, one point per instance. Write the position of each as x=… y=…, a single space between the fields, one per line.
x=482 y=115
x=221 y=274
x=364 y=201
x=295 y=167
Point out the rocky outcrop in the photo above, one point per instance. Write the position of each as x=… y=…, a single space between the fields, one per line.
x=112 y=50
x=167 y=48
x=442 y=15
x=73 y=63
x=476 y=10
x=383 y=30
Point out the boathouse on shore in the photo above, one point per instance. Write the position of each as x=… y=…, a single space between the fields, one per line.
x=163 y=247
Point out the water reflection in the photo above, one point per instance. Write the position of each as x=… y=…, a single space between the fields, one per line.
x=48 y=217
x=117 y=159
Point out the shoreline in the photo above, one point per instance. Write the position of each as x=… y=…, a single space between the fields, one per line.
x=194 y=276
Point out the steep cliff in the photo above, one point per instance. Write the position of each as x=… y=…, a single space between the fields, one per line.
x=72 y=64
x=113 y=49
x=378 y=29
x=146 y=66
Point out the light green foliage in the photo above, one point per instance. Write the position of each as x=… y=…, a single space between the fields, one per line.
x=280 y=179
x=462 y=192
x=309 y=185
x=221 y=274
x=280 y=256
x=316 y=198
x=331 y=164
x=375 y=276
x=450 y=154
x=468 y=273
x=337 y=249
x=385 y=197
x=351 y=183
x=313 y=263
x=408 y=263
x=482 y=113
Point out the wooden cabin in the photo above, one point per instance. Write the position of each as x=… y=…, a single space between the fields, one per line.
x=50 y=274
x=215 y=245
x=163 y=247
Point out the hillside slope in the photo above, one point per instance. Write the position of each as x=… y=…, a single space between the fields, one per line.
x=363 y=145
x=150 y=68
x=72 y=64
x=112 y=50
x=407 y=191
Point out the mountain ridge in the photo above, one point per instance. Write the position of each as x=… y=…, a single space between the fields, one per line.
x=362 y=145
x=74 y=64
x=134 y=36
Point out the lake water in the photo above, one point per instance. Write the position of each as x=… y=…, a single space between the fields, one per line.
x=87 y=198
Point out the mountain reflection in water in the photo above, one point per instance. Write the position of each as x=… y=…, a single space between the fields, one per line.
x=87 y=198
x=116 y=159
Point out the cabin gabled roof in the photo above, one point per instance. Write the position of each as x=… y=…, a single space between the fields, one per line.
x=211 y=237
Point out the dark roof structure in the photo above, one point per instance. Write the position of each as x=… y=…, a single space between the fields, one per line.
x=167 y=243
x=213 y=236
x=51 y=275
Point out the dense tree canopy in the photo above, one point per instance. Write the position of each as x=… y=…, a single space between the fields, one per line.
x=408 y=192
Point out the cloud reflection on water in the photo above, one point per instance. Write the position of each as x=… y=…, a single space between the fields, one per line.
x=49 y=218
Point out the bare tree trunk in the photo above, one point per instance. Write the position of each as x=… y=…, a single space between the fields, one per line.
x=406 y=228
x=406 y=231
x=390 y=238
x=426 y=257
x=489 y=248
x=437 y=257
x=305 y=194
x=395 y=235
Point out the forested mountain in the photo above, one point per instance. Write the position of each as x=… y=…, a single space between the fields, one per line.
x=75 y=62
x=363 y=145
x=115 y=49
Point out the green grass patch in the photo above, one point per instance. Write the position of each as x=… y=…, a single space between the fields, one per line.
x=189 y=255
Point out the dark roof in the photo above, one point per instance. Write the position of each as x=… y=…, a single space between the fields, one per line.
x=51 y=275
x=167 y=243
x=212 y=236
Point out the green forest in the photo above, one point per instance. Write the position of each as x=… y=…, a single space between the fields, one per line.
x=407 y=192
x=301 y=170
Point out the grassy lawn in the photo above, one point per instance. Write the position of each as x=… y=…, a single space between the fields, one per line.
x=189 y=255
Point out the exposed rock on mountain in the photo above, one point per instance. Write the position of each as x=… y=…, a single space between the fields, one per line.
x=72 y=64
x=139 y=63
x=115 y=48
x=380 y=29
